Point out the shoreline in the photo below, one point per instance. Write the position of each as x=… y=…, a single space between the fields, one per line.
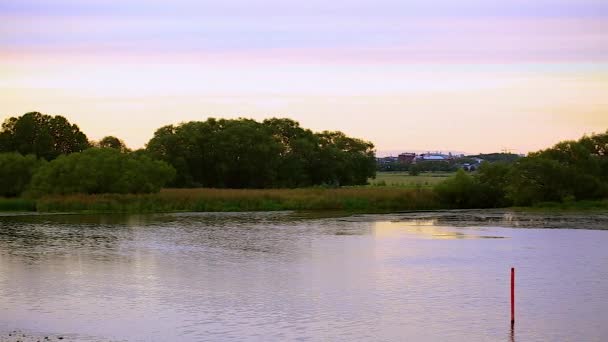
x=355 y=200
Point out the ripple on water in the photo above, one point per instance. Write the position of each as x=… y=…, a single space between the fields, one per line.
x=284 y=276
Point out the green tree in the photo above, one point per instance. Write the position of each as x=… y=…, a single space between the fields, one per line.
x=298 y=150
x=16 y=171
x=244 y=153
x=113 y=142
x=344 y=160
x=461 y=191
x=536 y=179
x=218 y=153
x=42 y=135
x=101 y=170
x=494 y=179
x=569 y=170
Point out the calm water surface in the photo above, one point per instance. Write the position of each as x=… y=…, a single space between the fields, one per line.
x=440 y=276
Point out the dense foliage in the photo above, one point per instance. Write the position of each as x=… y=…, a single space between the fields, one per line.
x=16 y=171
x=569 y=171
x=42 y=135
x=460 y=191
x=101 y=170
x=244 y=153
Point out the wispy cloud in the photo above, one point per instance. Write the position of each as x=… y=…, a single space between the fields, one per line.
x=360 y=31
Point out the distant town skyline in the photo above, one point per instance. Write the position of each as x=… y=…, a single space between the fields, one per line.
x=395 y=153
x=469 y=75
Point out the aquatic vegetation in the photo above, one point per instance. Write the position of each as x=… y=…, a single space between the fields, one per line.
x=204 y=199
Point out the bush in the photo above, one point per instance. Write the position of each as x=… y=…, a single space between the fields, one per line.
x=101 y=170
x=494 y=179
x=16 y=171
x=462 y=191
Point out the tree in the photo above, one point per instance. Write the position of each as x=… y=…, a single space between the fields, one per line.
x=16 y=171
x=569 y=170
x=462 y=191
x=244 y=153
x=101 y=170
x=218 y=153
x=113 y=142
x=494 y=179
x=42 y=135
x=344 y=160
x=298 y=150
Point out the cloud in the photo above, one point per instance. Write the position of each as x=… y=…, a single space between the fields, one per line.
x=322 y=39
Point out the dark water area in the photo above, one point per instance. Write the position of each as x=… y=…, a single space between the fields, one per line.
x=424 y=276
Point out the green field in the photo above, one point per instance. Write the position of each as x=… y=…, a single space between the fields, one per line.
x=404 y=179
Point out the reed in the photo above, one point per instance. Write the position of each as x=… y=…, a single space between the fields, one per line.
x=222 y=200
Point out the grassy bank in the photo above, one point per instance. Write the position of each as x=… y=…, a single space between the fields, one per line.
x=355 y=199
x=218 y=200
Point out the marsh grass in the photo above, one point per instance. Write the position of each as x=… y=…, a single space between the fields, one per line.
x=224 y=200
x=353 y=199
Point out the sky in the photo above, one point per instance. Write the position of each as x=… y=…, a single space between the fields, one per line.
x=460 y=75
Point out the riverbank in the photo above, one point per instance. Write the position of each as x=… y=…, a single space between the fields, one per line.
x=225 y=200
x=355 y=199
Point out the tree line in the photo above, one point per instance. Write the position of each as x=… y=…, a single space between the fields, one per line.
x=568 y=171
x=42 y=154
x=245 y=153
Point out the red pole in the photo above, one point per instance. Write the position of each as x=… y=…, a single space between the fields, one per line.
x=512 y=296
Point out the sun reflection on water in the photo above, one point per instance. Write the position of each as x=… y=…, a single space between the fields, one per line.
x=426 y=229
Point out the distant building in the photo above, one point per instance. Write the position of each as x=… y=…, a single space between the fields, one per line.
x=472 y=166
x=386 y=160
x=434 y=157
x=406 y=158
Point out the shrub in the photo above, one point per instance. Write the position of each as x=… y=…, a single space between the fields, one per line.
x=16 y=171
x=461 y=191
x=101 y=170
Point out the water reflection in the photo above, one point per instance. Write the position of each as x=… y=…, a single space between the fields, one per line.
x=500 y=218
x=512 y=333
x=428 y=229
x=282 y=276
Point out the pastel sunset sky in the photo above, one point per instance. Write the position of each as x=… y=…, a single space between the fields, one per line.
x=464 y=75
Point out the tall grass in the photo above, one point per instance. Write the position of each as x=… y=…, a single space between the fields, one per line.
x=169 y=200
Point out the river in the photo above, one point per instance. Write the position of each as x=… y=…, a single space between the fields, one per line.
x=430 y=276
